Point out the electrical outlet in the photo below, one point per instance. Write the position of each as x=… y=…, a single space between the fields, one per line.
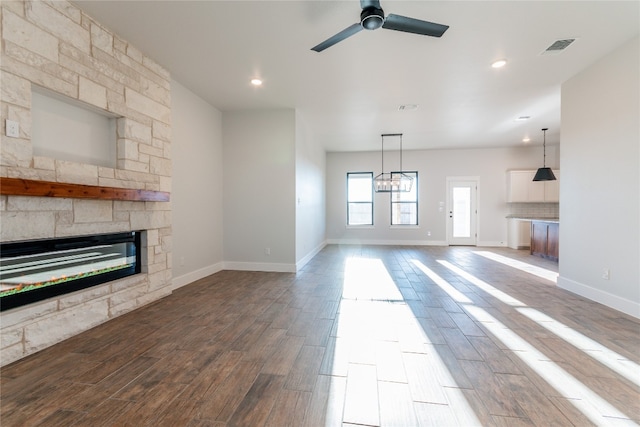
x=605 y=274
x=428 y=233
x=267 y=251
x=12 y=129
x=181 y=261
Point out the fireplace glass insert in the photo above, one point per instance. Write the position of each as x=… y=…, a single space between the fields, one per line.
x=35 y=270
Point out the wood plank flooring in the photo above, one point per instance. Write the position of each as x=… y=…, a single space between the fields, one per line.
x=362 y=336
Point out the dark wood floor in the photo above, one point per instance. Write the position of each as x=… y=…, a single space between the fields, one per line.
x=373 y=336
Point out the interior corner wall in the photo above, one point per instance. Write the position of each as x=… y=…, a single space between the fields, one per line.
x=197 y=186
x=310 y=194
x=600 y=186
x=259 y=190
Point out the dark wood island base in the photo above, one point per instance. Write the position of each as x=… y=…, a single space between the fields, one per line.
x=545 y=239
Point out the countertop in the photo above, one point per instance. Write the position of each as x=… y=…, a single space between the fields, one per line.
x=529 y=218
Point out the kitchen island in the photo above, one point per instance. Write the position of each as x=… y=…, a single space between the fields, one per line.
x=545 y=238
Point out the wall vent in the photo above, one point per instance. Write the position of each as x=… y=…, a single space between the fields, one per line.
x=558 y=46
x=408 y=107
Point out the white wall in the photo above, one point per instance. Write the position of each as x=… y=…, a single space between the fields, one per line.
x=259 y=189
x=600 y=185
x=196 y=194
x=433 y=167
x=310 y=194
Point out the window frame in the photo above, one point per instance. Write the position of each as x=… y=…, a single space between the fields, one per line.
x=349 y=202
x=408 y=202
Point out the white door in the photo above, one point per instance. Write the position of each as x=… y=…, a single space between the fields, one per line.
x=462 y=212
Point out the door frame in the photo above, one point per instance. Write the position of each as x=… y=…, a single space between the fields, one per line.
x=450 y=180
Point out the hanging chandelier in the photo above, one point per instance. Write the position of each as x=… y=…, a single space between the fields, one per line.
x=392 y=181
x=544 y=173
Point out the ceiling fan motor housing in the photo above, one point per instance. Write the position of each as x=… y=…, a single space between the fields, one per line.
x=371 y=18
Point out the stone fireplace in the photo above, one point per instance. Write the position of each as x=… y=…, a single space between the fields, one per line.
x=55 y=47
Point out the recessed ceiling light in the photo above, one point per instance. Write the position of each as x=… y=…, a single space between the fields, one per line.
x=526 y=139
x=256 y=82
x=522 y=118
x=499 y=63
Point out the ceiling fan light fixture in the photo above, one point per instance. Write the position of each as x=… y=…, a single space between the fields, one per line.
x=544 y=173
x=371 y=18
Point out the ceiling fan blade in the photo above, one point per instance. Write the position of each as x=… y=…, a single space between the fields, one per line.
x=347 y=32
x=416 y=26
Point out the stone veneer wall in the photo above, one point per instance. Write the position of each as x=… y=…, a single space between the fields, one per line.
x=54 y=45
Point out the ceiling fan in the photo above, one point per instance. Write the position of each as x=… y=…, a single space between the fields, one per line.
x=372 y=17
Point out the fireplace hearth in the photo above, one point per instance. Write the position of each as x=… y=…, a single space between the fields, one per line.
x=36 y=270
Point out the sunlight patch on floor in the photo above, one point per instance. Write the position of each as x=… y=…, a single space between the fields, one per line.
x=368 y=279
x=614 y=361
x=597 y=351
x=592 y=405
x=379 y=343
x=443 y=284
x=496 y=293
x=543 y=273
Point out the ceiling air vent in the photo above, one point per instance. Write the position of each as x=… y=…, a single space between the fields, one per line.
x=408 y=107
x=558 y=46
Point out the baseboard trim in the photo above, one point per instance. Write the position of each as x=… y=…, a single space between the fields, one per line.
x=260 y=266
x=632 y=308
x=310 y=256
x=185 y=279
x=489 y=244
x=386 y=242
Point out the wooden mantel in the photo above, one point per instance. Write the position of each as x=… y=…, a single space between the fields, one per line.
x=28 y=187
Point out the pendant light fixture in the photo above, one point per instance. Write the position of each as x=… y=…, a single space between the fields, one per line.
x=392 y=181
x=544 y=173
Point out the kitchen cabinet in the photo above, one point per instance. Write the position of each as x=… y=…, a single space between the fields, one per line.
x=552 y=189
x=523 y=189
x=545 y=239
x=519 y=233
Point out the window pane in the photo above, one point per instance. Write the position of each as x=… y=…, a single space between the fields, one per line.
x=407 y=196
x=462 y=212
x=360 y=214
x=360 y=187
x=360 y=198
x=404 y=214
x=404 y=204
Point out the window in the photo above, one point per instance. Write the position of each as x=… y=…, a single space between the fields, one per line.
x=360 y=198
x=404 y=205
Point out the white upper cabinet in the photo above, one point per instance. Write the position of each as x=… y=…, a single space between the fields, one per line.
x=552 y=189
x=522 y=188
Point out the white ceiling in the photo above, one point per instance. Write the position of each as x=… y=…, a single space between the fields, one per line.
x=350 y=93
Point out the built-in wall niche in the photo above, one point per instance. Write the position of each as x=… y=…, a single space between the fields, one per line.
x=65 y=129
